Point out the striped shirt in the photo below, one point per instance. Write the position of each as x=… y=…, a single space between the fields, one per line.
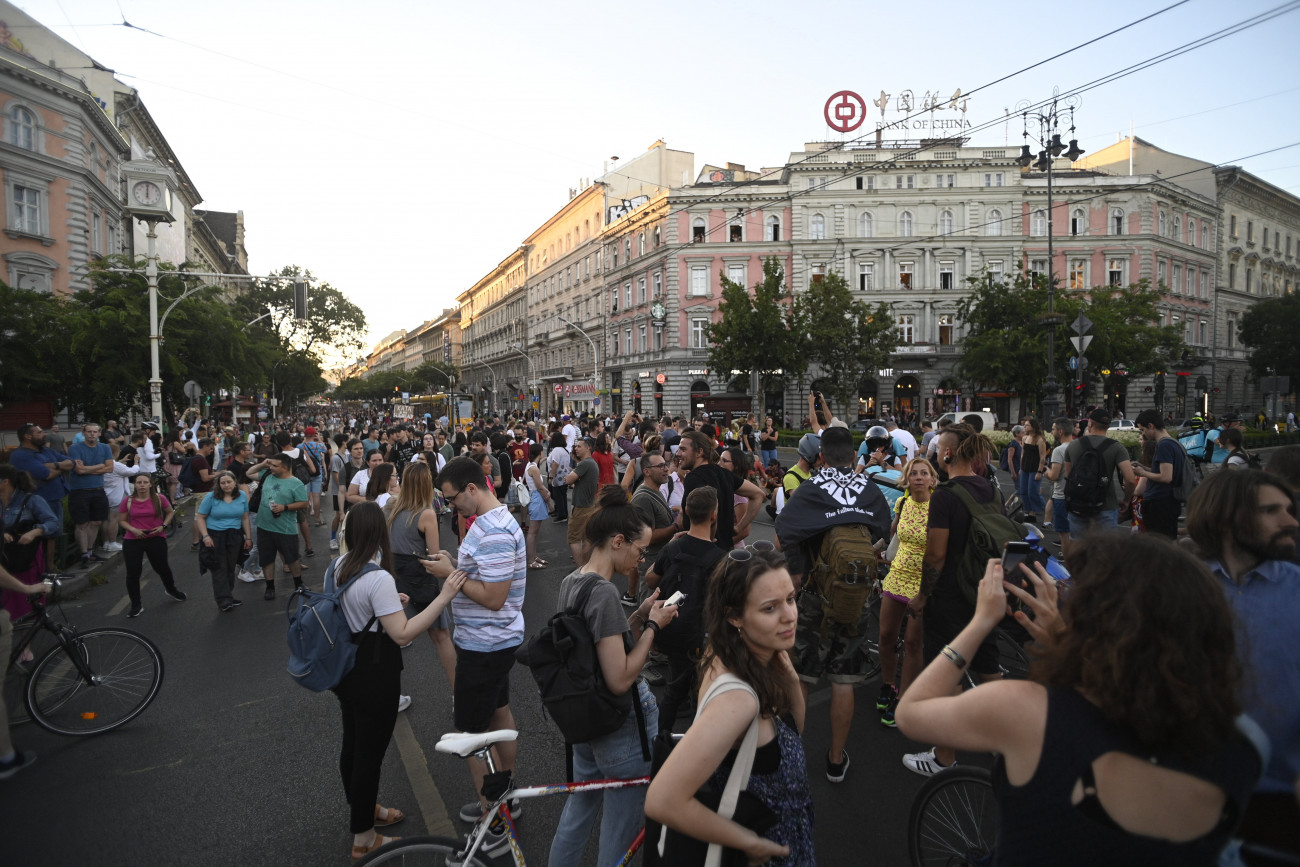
x=493 y=551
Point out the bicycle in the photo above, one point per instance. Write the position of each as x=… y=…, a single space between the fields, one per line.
x=450 y=852
x=954 y=819
x=88 y=682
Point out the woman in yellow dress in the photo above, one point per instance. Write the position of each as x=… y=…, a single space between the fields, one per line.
x=911 y=514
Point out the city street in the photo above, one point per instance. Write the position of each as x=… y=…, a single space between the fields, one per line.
x=235 y=764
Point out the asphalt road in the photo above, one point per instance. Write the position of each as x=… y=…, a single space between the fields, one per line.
x=233 y=763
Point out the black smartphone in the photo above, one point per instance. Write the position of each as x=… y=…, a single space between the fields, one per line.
x=1013 y=554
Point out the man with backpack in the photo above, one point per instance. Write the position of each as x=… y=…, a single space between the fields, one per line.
x=1237 y=457
x=828 y=530
x=685 y=564
x=1160 y=506
x=196 y=475
x=966 y=527
x=810 y=451
x=1091 y=464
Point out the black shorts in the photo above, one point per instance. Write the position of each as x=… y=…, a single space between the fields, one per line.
x=482 y=686
x=946 y=614
x=88 y=504
x=269 y=544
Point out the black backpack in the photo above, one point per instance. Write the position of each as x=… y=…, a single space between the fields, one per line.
x=1088 y=483
x=689 y=574
x=563 y=660
x=301 y=471
x=990 y=531
x=187 y=476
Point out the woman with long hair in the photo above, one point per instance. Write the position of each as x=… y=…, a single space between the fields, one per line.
x=618 y=537
x=413 y=532
x=539 y=503
x=368 y=694
x=559 y=463
x=382 y=485
x=603 y=455
x=28 y=523
x=1122 y=746
x=911 y=513
x=1032 y=465
x=750 y=618
x=737 y=461
x=225 y=531
x=144 y=515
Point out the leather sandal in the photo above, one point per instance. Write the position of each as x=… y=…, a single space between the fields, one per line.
x=394 y=816
x=359 y=852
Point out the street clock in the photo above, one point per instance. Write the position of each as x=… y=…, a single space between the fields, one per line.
x=150 y=189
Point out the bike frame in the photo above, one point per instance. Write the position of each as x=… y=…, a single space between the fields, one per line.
x=61 y=632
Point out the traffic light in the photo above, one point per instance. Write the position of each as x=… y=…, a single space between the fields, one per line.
x=299 y=298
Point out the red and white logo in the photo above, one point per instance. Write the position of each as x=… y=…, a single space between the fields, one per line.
x=845 y=111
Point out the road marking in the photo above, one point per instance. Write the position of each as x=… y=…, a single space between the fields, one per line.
x=125 y=601
x=434 y=810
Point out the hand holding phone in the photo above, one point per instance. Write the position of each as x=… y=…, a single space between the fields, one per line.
x=675 y=599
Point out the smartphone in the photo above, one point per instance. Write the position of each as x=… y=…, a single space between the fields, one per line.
x=675 y=599
x=1013 y=555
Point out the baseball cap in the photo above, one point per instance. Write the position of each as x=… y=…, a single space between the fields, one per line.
x=310 y=431
x=566 y=417
x=810 y=446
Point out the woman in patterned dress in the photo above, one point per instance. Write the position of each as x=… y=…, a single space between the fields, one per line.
x=911 y=513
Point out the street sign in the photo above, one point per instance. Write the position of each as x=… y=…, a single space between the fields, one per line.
x=1083 y=362
x=1074 y=361
x=595 y=401
x=558 y=388
x=1081 y=324
x=193 y=391
x=1080 y=344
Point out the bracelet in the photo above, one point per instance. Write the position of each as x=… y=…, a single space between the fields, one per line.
x=637 y=615
x=956 y=658
x=652 y=626
x=206 y=538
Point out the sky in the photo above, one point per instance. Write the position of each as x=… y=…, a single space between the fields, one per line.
x=401 y=150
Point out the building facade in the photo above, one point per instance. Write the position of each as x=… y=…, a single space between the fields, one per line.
x=493 y=330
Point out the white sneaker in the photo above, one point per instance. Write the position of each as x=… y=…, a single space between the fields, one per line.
x=403 y=702
x=924 y=763
x=334 y=544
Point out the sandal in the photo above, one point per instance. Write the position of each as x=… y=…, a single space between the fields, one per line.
x=394 y=816
x=538 y=563
x=359 y=852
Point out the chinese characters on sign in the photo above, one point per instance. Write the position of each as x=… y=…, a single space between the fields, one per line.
x=845 y=111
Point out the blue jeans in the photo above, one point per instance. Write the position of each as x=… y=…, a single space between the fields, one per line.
x=1105 y=520
x=1031 y=493
x=769 y=455
x=615 y=755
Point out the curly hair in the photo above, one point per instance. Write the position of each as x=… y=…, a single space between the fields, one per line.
x=1150 y=637
x=728 y=595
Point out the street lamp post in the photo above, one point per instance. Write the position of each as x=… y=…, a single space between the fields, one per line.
x=532 y=379
x=595 y=356
x=1048 y=138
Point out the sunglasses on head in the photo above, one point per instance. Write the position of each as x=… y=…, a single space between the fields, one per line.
x=745 y=554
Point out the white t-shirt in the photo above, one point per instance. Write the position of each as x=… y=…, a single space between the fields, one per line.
x=361 y=480
x=570 y=435
x=560 y=464
x=906 y=438
x=375 y=594
x=146 y=457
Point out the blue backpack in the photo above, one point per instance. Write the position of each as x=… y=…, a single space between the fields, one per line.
x=322 y=647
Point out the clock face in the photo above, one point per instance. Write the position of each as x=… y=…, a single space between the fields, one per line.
x=147 y=193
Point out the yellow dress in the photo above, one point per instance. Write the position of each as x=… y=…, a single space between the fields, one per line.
x=904 y=578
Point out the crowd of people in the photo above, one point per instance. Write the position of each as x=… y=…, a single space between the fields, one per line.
x=1160 y=722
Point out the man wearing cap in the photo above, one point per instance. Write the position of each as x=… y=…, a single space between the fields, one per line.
x=1218 y=453
x=810 y=450
x=1113 y=457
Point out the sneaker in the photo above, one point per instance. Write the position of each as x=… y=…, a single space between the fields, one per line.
x=92 y=557
x=136 y=610
x=403 y=702
x=310 y=552
x=235 y=603
x=886 y=696
x=924 y=763
x=270 y=592
x=472 y=811
x=22 y=759
x=658 y=658
x=835 y=771
x=887 y=715
x=176 y=593
x=497 y=839
x=334 y=544
x=561 y=520
x=227 y=607
x=629 y=600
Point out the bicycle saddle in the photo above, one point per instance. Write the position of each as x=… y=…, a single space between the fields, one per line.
x=465 y=745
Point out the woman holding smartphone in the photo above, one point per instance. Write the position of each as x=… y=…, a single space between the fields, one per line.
x=144 y=514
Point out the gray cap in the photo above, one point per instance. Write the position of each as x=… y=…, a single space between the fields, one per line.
x=810 y=447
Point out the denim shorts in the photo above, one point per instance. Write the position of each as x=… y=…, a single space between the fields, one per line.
x=1060 y=515
x=313 y=487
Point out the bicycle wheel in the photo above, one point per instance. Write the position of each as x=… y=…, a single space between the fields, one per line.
x=954 y=819
x=126 y=672
x=1012 y=658
x=16 y=678
x=421 y=852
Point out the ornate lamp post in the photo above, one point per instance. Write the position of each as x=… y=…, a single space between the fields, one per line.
x=1048 y=138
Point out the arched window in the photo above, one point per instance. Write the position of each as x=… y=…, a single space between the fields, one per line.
x=640 y=244
x=1038 y=223
x=1191 y=232
x=864 y=225
x=817 y=227
x=1163 y=224
x=1205 y=236
x=905 y=224
x=22 y=129
x=1117 y=221
x=945 y=223
x=1077 y=222
x=697 y=230
x=993 y=223
x=774 y=228
x=1178 y=228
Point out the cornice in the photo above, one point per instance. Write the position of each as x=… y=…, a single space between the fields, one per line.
x=92 y=110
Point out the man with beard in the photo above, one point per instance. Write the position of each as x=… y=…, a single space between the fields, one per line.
x=1245 y=526
x=701 y=460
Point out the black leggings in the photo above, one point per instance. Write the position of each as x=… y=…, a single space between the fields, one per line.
x=134 y=551
x=368 y=698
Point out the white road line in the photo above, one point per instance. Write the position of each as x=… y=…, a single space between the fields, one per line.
x=434 y=810
x=126 y=600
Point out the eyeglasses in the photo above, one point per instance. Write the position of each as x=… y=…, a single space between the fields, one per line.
x=640 y=551
x=745 y=554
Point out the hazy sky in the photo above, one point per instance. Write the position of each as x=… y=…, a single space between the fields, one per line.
x=400 y=150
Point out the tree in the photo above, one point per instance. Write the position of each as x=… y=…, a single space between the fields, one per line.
x=33 y=343
x=846 y=337
x=753 y=333
x=433 y=376
x=1006 y=346
x=335 y=328
x=1270 y=329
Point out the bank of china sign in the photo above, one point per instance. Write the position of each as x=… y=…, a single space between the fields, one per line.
x=845 y=111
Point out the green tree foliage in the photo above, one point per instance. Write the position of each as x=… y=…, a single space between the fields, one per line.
x=847 y=338
x=378 y=385
x=1006 y=346
x=753 y=334
x=1271 y=329
x=32 y=340
x=431 y=377
x=335 y=327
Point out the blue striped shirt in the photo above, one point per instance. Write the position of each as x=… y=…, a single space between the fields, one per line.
x=493 y=551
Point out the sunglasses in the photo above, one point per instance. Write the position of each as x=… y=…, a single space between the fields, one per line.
x=745 y=554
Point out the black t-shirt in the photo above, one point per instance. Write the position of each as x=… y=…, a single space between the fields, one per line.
x=686 y=631
x=949 y=513
x=747 y=436
x=725 y=482
x=240 y=469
